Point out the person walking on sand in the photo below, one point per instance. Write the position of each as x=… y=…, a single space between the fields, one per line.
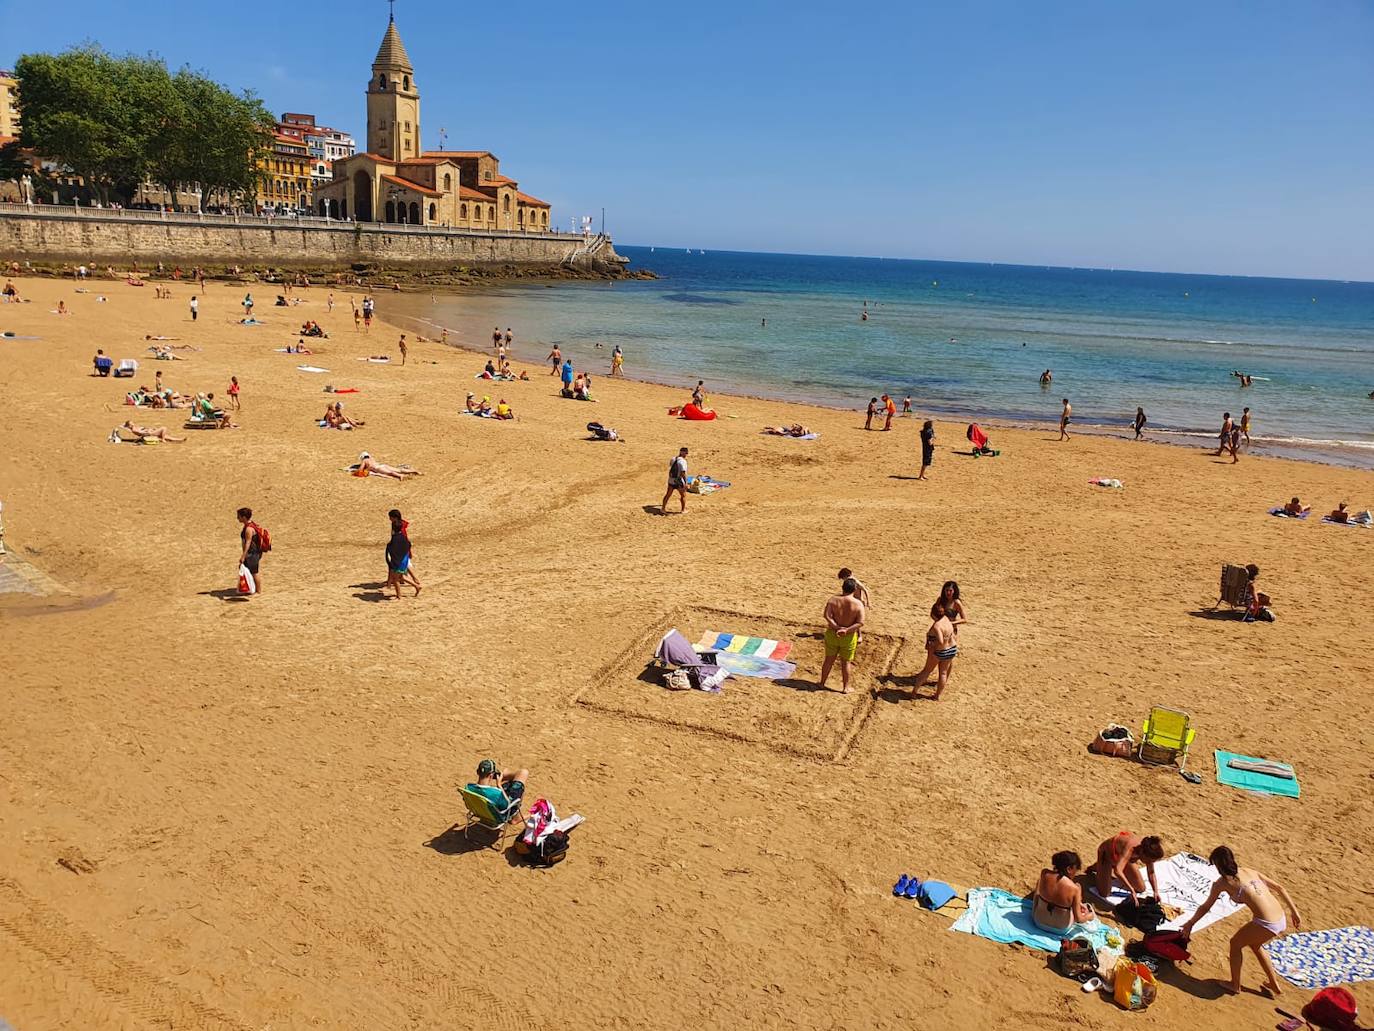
x=329 y=304
x=195 y=309
x=1245 y=425
x=872 y=411
x=1262 y=895
x=398 y=555
x=1139 y=422
x=555 y=360
x=247 y=305
x=889 y=409
x=844 y=619
x=1224 y=437
x=251 y=554
x=677 y=481
x=402 y=346
x=1234 y=446
x=927 y=448
x=1065 y=417
x=699 y=394
x=234 y=393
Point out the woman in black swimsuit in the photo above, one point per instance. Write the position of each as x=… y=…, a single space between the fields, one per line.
x=1058 y=896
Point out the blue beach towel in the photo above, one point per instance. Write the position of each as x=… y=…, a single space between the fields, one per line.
x=1000 y=916
x=1319 y=959
x=752 y=666
x=1260 y=783
x=1284 y=515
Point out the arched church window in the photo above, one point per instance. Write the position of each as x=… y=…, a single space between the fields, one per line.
x=448 y=182
x=406 y=80
x=381 y=81
x=462 y=211
x=507 y=204
x=433 y=212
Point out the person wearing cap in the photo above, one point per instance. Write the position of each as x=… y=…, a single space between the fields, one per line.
x=504 y=789
x=677 y=481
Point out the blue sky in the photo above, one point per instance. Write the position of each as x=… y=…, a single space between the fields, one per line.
x=1233 y=137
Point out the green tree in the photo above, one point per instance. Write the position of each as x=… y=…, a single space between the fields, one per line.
x=222 y=137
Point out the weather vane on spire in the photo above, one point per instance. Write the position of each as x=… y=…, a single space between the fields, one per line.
x=392 y=4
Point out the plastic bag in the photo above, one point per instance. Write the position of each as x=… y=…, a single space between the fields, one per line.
x=1134 y=986
x=246 y=583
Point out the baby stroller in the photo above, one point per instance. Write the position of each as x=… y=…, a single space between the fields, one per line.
x=979 y=440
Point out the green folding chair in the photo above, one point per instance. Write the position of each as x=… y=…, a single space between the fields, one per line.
x=1166 y=736
x=481 y=813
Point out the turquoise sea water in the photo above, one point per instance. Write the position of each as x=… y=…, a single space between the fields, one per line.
x=969 y=340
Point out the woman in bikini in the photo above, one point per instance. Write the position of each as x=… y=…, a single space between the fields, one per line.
x=949 y=598
x=1259 y=893
x=1058 y=901
x=1117 y=860
x=941 y=648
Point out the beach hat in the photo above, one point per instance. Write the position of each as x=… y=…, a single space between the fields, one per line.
x=486 y=768
x=363 y=456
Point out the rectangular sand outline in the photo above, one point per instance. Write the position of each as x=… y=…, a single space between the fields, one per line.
x=639 y=652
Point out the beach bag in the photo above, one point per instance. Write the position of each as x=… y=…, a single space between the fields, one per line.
x=1333 y=1009
x=934 y=894
x=1134 y=986
x=1145 y=915
x=264 y=538
x=1169 y=945
x=552 y=849
x=246 y=584
x=1114 y=740
x=1077 y=958
x=677 y=680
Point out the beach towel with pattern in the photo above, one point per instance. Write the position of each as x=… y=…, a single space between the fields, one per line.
x=1185 y=881
x=1319 y=959
x=1000 y=916
x=742 y=644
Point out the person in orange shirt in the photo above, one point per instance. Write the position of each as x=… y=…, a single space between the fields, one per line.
x=890 y=407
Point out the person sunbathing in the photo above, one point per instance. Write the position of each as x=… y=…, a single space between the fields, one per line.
x=203 y=410
x=148 y=433
x=472 y=406
x=1058 y=903
x=368 y=466
x=1340 y=514
x=795 y=430
x=300 y=348
x=1296 y=508
x=335 y=419
x=1118 y=860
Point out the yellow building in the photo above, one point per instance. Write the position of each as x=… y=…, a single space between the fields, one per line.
x=9 y=105
x=284 y=175
x=397 y=181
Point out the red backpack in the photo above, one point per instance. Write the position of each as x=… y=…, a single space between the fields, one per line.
x=1170 y=945
x=1334 y=1009
x=264 y=538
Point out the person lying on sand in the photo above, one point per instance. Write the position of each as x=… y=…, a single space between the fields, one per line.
x=1118 y=860
x=368 y=466
x=1268 y=922
x=1340 y=514
x=1058 y=901
x=795 y=430
x=147 y=432
x=335 y=419
x=1296 y=508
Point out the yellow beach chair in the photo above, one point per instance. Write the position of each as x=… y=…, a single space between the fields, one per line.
x=481 y=813
x=1165 y=737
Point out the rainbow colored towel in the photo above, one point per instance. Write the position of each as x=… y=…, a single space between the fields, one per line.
x=759 y=647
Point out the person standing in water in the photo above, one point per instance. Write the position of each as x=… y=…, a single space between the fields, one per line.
x=1139 y=422
x=1065 y=417
x=1046 y=377
x=618 y=362
x=1245 y=425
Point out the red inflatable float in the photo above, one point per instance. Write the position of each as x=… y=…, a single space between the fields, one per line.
x=691 y=411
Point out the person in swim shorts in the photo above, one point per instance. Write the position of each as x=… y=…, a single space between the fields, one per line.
x=1268 y=922
x=844 y=619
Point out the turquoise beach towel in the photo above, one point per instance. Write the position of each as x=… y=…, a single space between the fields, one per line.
x=1000 y=916
x=1319 y=959
x=1260 y=783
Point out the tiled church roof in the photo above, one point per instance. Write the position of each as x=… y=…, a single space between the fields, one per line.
x=392 y=52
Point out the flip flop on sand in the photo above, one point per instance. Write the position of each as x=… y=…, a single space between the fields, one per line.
x=899 y=889
x=913 y=888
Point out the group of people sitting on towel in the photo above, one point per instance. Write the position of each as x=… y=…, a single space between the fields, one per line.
x=795 y=430
x=580 y=389
x=491 y=371
x=1058 y=897
x=312 y=329
x=484 y=410
x=334 y=418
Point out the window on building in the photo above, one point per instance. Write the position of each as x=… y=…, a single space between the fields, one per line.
x=506 y=205
x=433 y=212
x=448 y=182
x=462 y=211
x=381 y=81
x=406 y=80
x=407 y=127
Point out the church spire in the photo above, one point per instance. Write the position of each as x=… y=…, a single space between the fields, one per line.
x=392 y=53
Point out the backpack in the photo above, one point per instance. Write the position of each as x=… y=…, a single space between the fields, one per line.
x=1170 y=945
x=1146 y=915
x=1077 y=958
x=552 y=849
x=264 y=538
x=1333 y=1009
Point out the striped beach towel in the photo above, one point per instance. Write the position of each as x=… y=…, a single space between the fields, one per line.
x=740 y=644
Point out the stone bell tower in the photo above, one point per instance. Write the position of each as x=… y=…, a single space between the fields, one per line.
x=393 y=101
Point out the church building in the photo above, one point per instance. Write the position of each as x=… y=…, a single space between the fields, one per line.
x=395 y=181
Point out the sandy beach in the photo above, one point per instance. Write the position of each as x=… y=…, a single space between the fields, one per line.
x=227 y=813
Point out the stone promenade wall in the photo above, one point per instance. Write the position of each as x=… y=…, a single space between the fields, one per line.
x=91 y=237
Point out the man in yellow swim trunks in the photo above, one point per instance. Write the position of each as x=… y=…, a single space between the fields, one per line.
x=844 y=618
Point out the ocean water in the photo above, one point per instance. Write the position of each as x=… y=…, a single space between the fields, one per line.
x=968 y=340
